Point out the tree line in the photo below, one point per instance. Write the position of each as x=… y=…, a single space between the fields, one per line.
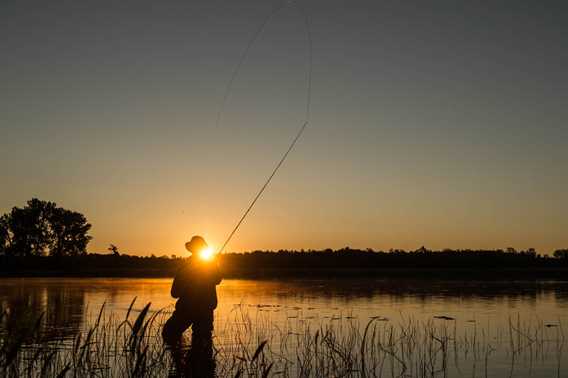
x=345 y=262
x=41 y=228
x=29 y=236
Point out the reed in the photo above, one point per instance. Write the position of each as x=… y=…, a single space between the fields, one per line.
x=249 y=344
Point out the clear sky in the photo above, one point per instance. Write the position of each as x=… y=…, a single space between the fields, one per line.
x=436 y=123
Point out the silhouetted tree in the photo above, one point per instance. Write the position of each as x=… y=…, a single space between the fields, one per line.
x=29 y=228
x=4 y=235
x=41 y=228
x=561 y=253
x=68 y=233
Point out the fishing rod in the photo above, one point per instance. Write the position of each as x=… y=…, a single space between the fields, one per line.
x=300 y=131
x=263 y=188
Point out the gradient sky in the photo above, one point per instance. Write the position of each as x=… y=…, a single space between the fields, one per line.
x=436 y=123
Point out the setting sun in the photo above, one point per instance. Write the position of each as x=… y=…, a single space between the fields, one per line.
x=207 y=253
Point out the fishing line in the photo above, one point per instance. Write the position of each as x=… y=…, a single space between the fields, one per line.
x=298 y=134
x=242 y=59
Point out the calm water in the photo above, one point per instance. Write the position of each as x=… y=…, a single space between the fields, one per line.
x=485 y=307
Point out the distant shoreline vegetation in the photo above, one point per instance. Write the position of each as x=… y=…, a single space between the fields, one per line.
x=42 y=239
x=349 y=263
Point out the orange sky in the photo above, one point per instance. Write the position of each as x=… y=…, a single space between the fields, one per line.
x=428 y=128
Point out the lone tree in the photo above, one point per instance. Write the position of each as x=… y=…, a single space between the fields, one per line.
x=114 y=249
x=41 y=228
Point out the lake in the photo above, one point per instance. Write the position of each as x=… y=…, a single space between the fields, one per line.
x=470 y=329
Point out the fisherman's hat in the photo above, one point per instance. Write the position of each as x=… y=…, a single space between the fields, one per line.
x=196 y=244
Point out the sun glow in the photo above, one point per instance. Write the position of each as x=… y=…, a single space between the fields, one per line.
x=207 y=253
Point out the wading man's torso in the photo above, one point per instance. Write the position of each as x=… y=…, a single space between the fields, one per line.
x=195 y=286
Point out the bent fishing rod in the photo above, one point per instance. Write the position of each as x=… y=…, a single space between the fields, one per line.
x=300 y=131
x=263 y=188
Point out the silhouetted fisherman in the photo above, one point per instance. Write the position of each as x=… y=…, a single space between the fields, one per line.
x=195 y=286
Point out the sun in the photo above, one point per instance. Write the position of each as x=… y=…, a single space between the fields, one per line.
x=206 y=253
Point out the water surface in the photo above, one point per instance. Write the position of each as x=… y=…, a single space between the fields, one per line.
x=487 y=308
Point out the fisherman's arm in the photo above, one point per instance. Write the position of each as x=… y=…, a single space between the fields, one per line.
x=175 y=290
x=178 y=284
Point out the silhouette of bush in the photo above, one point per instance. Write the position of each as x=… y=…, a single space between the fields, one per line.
x=561 y=254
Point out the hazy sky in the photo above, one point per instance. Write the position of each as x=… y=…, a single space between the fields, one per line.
x=436 y=123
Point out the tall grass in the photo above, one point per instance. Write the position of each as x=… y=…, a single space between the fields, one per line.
x=251 y=345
